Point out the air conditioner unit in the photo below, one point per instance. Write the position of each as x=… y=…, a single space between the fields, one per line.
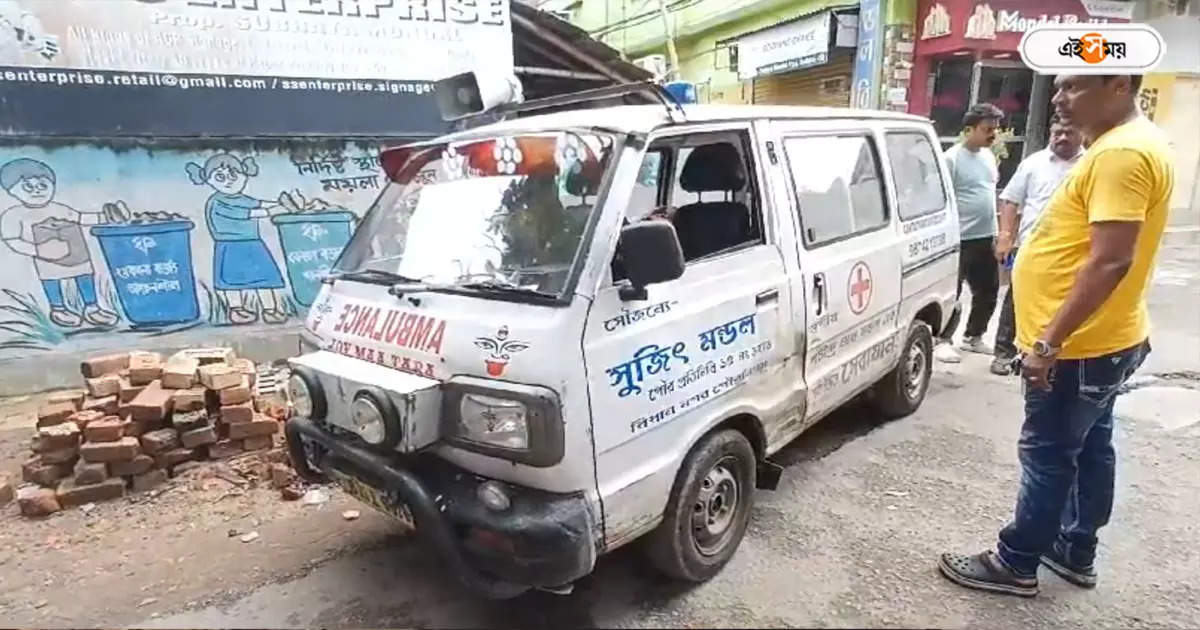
x=654 y=64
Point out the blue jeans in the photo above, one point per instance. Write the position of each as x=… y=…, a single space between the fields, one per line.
x=1068 y=465
x=54 y=292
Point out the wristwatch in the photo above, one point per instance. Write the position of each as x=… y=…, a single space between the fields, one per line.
x=1045 y=350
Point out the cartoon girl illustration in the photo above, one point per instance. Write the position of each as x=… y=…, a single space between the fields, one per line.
x=242 y=264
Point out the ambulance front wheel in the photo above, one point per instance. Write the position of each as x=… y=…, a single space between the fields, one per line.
x=709 y=509
x=903 y=390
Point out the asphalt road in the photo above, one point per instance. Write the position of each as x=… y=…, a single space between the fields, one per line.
x=851 y=536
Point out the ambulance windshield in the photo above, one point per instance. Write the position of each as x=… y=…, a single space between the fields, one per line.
x=503 y=212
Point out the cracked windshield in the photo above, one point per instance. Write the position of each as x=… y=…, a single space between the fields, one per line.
x=508 y=211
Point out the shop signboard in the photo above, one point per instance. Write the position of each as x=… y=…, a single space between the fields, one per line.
x=800 y=44
x=865 y=94
x=945 y=25
x=240 y=67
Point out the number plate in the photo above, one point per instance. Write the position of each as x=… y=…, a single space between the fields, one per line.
x=376 y=499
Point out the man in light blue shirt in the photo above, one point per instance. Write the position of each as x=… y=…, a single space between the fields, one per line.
x=1021 y=204
x=974 y=172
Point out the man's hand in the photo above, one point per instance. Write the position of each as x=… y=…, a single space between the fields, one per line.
x=1004 y=247
x=1036 y=371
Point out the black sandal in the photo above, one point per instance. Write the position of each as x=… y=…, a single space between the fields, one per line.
x=986 y=572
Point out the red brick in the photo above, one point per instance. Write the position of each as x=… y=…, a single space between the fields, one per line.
x=37 y=502
x=193 y=399
x=149 y=480
x=129 y=391
x=122 y=450
x=232 y=414
x=219 y=376
x=190 y=421
x=104 y=386
x=107 y=429
x=198 y=437
x=159 y=441
x=247 y=368
x=84 y=418
x=259 y=427
x=138 y=428
x=66 y=456
x=206 y=356
x=144 y=367
x=225 y=449
x=73 y=396
x=95 y=367
x=72 y=495
x=260 y=443
x=109 y=405
x=238 y=395
x=59 y=436
x=7 y=492
x=87 y=474
x=51 y=413
x=136 y=466
x=175 y=457
x=154 y=403
x=34 y=470
x=180 y=373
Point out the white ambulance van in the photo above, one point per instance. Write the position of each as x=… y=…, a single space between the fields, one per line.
x=557 y=334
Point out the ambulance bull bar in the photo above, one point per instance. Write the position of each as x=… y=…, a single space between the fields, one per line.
x=430 y=514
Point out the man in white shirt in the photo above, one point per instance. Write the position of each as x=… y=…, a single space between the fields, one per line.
x=1021 y=203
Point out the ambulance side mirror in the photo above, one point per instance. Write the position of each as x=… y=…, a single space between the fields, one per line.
x=650 y=254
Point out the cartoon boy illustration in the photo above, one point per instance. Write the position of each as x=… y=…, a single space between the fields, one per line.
x=242 y=264
x=52 y=234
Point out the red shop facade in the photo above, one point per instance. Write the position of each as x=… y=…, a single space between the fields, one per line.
x=966 y=52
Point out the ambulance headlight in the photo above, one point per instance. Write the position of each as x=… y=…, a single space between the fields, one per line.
x=497 y=421
x=305 y=394
x=368 y=419
x=520 y=423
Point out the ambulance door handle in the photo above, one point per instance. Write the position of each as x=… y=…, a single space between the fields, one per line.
x=820 y=300
x=767 y=297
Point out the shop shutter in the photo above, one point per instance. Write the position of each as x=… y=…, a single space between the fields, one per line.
x=826 y=85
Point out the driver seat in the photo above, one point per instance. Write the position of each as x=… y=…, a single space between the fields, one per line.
x=706 y=227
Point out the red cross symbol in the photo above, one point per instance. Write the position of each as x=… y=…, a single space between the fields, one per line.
x=861 y=287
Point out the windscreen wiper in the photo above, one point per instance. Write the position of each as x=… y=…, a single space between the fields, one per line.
x=370 y=276
x=500 y=287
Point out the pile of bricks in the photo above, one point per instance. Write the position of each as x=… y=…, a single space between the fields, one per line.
x=143 y=420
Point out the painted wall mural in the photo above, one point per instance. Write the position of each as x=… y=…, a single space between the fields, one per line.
x=149 y=240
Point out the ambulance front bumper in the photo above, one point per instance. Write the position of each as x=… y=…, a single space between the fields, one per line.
x=540 y=539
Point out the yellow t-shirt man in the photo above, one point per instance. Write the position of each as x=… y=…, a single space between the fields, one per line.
x=1126 y=175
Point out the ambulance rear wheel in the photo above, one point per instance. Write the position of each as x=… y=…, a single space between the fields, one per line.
x=709 y=509
x=903 y=390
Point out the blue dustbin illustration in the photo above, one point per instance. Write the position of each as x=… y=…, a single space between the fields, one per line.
x=151 y=266
x=311 y=244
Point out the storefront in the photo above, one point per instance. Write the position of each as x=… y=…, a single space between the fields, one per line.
x=808 y=61
x=967 y=52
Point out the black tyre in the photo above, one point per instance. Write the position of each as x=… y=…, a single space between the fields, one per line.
x=708 y=511
x=903 y=390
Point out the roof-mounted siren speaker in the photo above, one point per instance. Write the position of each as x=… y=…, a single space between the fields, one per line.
x=471 y=93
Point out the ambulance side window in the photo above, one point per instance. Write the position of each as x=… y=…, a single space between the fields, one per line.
x=648 y=192
x=919 y=189
x=838 y=185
